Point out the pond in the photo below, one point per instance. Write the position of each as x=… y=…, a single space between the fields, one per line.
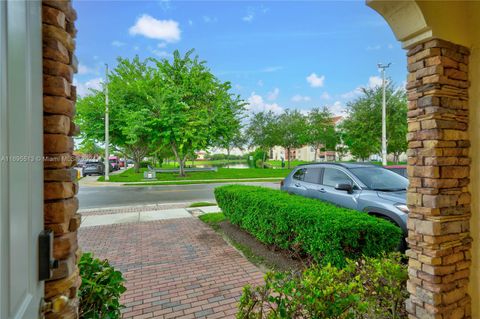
x=231 y=165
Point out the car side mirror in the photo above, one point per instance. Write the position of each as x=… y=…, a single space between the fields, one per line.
x=344 y=187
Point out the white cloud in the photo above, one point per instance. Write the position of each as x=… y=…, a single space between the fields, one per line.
x=256 y=103
x=162 y=45
x=352 y=94
x=325 y=96
x=136 y=48
x=260 y=83
x=83 y=69
x=273 y=94
x=337 y=108
x=374 y=81
x=118 y=44
x=390 y=46
x=162 y=53
x=166 y=30
x=84 y=88
x=190 y=22
x=248 y=17
x=270 y=69
x=300 y=98
x=315 y=81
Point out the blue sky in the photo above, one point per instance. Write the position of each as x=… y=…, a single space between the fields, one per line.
x=276 y=54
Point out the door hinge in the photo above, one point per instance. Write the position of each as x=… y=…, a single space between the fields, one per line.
x=46 y=262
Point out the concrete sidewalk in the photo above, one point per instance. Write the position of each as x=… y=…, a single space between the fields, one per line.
x=124 y=215
x=175 y=265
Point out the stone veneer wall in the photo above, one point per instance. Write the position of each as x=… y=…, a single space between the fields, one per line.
x=438 y=169
x=60 y=185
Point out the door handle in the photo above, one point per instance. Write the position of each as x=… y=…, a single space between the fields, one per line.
x=321 y=190
x=46 y=262
x=297 y=184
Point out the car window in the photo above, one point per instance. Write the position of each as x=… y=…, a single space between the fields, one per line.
x=300 y=174
x=332 y=177
x=312 y=175
x=381 y=179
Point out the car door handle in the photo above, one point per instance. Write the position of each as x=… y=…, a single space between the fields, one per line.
x=297 y=184
x=321 y=190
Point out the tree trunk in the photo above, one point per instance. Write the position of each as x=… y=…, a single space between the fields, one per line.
x=288 y=161
x=228 y=157
x=181 y=161
x=263 y=159
x=182 y=166
x=136 y=165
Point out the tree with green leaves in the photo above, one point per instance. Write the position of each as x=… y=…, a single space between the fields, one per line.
x=128 y=94
x=262 y=132
x=190 y=108
x=321 y=130
x=362 y=128
x=91 y=148
x=292 y=131
x=177 y=104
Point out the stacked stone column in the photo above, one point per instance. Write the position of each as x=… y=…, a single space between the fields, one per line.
x=438 y=169
x=60 y=185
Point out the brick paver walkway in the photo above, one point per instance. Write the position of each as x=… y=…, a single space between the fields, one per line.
x=176 y=268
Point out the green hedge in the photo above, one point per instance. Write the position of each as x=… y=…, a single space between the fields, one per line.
x=327 y=233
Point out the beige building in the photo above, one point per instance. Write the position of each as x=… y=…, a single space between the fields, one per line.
x=305 y=153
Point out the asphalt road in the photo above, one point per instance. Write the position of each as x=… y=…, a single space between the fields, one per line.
x=113 y=196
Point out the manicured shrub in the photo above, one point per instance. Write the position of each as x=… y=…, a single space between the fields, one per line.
x=145 y=164
x=324 y=232
x=364 y=289
x=101 y=288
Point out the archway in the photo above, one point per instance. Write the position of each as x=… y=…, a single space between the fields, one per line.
x=443 y=42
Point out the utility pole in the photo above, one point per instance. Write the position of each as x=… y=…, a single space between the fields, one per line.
x=107 y=142
x=384 y=115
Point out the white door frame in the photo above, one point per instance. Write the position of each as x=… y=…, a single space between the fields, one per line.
x=21 y=152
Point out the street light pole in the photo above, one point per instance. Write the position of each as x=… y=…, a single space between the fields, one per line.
x=107 y=142
x=384 y=115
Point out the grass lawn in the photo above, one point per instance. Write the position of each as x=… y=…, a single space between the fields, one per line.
x=276 y=163
x=202 y=204
x=212 y=218
x=295 y=163
x=173 y=164
x=223 y=173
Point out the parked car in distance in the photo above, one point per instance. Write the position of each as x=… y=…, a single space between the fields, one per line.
x=93 y=168
x=364 y=187
x=399 y=169
x=114 y=162
x=80 y=163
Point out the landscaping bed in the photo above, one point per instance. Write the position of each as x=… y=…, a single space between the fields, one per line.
x=306 y=227
x=263 y=256
x=330 y=262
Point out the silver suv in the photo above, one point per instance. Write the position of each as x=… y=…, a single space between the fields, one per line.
x=364 y=187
